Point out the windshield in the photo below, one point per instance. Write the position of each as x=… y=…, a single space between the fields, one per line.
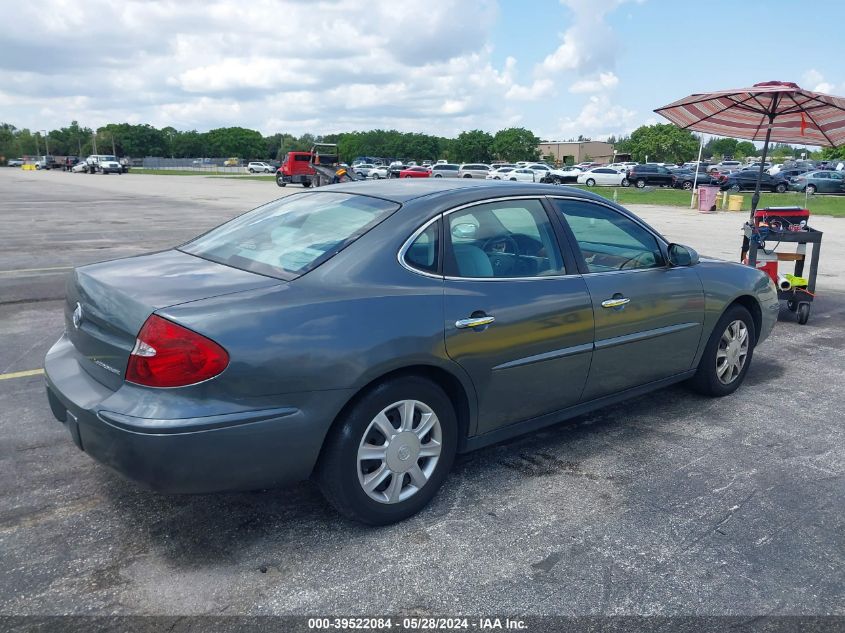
x=291 y=236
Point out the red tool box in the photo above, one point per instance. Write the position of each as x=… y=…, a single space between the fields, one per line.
x=782 y=218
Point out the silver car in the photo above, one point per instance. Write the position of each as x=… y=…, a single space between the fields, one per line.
x=445 y=170
x=473 y=170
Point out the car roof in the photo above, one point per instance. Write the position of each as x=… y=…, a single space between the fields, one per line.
x=405 y=190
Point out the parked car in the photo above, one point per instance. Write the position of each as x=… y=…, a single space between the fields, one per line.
x=523 y=174
x=602 y=176
x=444 y=170
x=363 y=169
x=417 y=171
x=15 y=162
x=80 y=168
x=473 y=170
x=232 y=162
x=500 y=173
x=747 y=180
x=824 y=181
x=258 y=166
x=642 y=175
x=563 y=176
x=255 y=361
x=726 y=166
x=379 y=171
x=686 y=178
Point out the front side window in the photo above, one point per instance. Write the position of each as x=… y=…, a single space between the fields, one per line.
x=291 y=236
x=608 y=240
x=511 y=238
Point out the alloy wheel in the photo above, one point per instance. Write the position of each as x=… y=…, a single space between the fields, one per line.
x=399 y=451
x=732 y=352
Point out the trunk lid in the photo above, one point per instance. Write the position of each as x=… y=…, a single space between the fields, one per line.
x=107 y=303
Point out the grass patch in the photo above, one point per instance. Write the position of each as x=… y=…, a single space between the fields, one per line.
x=818 y=204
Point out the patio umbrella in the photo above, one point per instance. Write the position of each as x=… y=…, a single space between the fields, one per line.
x=771 y=111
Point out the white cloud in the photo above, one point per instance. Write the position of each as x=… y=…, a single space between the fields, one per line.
x=815 y=81
x=599 y=118
x=588 y=45
x=604 y=81
x=261 y=64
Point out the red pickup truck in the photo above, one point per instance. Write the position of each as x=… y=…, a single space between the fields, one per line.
x=296 y=168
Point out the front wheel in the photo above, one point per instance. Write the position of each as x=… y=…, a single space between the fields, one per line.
x=280 y=181
x=389 y=454
x=728 y=353
x=625 y=182
x=735 y=188
x=438 y=175
x=467 y=176
x=811 y=189
x=640 y=183
x=780 y=188
x=590 y=182
x=376 y=176
x=687 y=185
x=251 y=170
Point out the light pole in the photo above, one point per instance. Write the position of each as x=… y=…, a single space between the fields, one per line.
x=46 y=143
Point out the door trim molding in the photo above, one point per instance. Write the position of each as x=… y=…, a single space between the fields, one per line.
x=537 y=358
x=644 y=335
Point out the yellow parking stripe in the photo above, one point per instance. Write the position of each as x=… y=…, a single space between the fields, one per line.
x=22 y=374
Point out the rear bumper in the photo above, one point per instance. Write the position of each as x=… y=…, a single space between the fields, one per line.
x=243 y=450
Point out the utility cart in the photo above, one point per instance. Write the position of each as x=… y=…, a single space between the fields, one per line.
x=764 y=239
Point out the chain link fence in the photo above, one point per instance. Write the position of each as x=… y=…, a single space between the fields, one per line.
x=210 y=165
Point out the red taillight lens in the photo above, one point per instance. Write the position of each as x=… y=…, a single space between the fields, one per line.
x=169 y=355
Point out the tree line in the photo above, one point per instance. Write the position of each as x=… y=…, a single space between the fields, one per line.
x=124 y=139
x=657 y=143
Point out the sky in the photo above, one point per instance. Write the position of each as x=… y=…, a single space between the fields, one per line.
x=560 y=68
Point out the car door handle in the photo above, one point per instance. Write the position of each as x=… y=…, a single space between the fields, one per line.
x=615 y=303
x=473 y=322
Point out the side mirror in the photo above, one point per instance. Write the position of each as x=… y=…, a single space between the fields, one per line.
x=680 y=255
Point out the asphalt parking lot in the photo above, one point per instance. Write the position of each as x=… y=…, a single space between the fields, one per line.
x=671 y=504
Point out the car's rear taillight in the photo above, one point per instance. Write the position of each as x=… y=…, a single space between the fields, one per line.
x=169 y=355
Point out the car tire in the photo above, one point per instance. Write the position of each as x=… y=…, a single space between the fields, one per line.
x=714 y=378
x=280 y=181
x=590 y=182
x=376 y=176
x=438 y=175
x=251 y=170
x=306 y=183
x=467 y=176
x=780 y=188
x=811 y=189
x=640 y=183
x=557 y=180
x=266 y=171
x=687 y=185
x=625 y=182
x=735 y=188
x=363 y=428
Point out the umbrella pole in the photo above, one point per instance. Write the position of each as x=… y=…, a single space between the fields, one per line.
x=755 y=199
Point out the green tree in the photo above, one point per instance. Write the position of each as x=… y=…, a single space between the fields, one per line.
x=662 y=142
x=472 y=146
x=515 y=143
x=745 y=148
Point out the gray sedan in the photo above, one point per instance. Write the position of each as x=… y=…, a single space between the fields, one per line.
x=364 y=333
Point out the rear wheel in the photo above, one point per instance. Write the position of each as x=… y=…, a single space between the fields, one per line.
x=251 y=170
x=625 y=182
x=735 y=188
x=438 y=175
x=467 y=176
x=306 y=183
x=390 y=452
x=590 y=182
x=726 y=358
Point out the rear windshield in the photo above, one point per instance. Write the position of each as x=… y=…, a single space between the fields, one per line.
x=291 y=236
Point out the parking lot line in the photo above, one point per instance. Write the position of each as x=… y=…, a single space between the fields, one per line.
x=34 y=270
x=22 y=374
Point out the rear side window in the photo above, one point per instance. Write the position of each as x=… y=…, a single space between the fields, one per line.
x=291 y=236
x=424 y=253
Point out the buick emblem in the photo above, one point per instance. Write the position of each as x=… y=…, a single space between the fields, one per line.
x=77 y=315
